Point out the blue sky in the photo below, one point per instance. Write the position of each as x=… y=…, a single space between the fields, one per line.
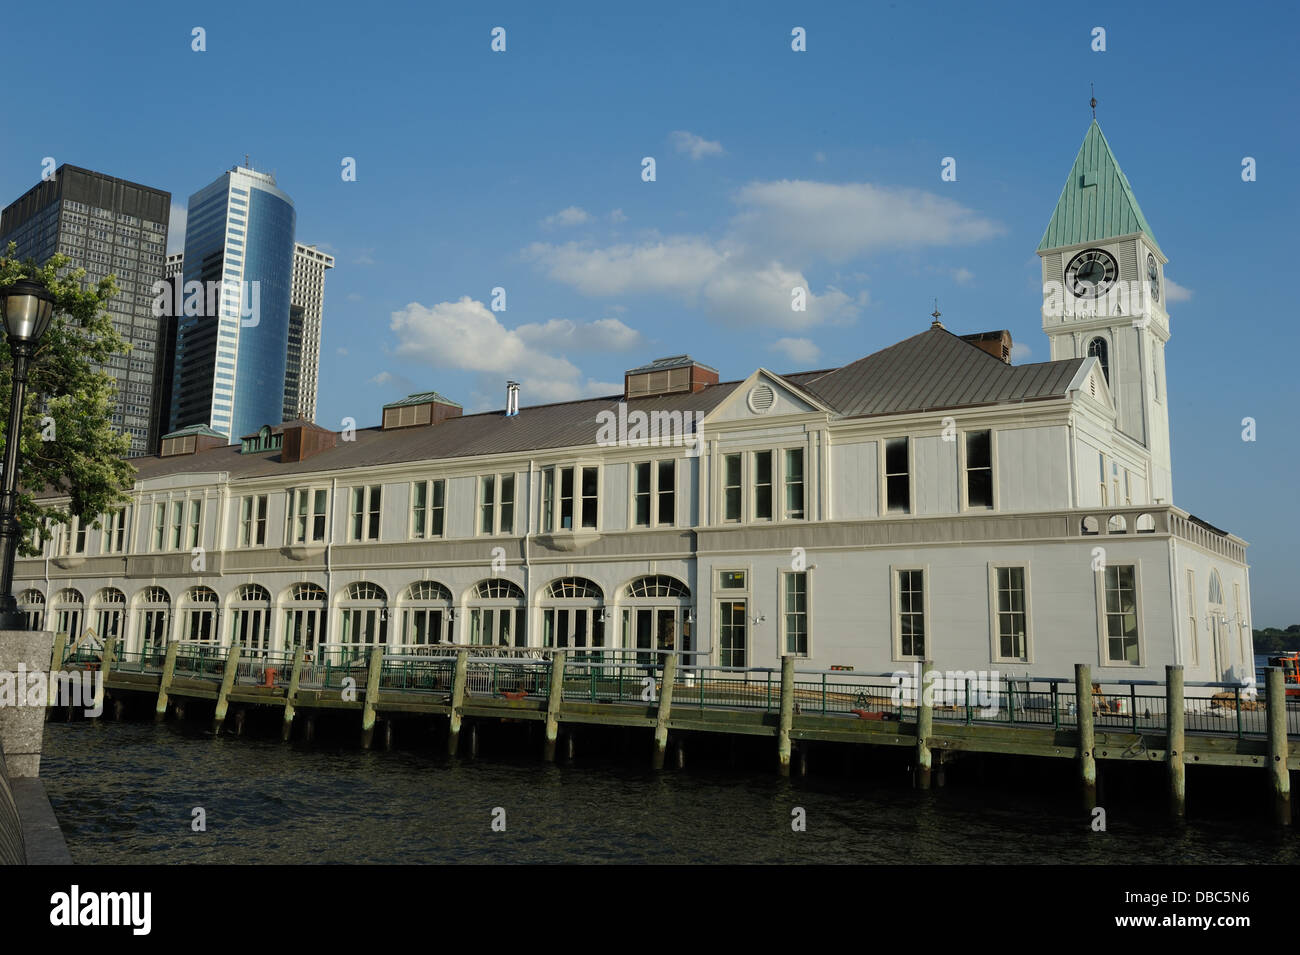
x=522 y=170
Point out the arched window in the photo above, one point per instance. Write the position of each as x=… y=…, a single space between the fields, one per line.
x=573 y=614
x=365 y=618
x=1117 y=524
x=497 y=614
x=110 y=612
x=153 y=620
x=304 y=619
x=1146 y=524
x=31 y=603
x=69 y=613
x=250 y=619
x=656 y=608
x=1099 y=348
x=199 y=616
x=426 y=613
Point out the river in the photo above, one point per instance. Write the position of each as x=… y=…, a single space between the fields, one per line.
x=125 y=792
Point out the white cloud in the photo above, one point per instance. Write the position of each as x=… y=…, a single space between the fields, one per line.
x=386 y=378
x=465 y=335
x=696 y=146
x=604 y=334
x=681 y=265
x=353 y=297
x=573 y=215
x=962 y=276
x=1175 y=292
x=1020 y=351
x=838 y=222
x=364 y=257
x=617 y=216
x=341 y=350
x=176 y=228
x=800 y=350
x=819 y=156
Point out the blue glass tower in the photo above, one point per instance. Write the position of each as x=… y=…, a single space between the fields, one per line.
x=232 y=337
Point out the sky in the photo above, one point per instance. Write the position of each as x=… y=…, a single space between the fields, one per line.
x=522 y=170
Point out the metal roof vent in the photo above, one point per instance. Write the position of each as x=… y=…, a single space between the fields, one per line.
x=761 y=399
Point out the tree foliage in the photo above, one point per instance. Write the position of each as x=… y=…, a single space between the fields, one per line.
x=68 y=443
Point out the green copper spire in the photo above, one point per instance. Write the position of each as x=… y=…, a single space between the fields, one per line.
x=1097 y=202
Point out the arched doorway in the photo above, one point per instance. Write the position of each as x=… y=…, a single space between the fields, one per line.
x=250 y=619
x=199 y=616
x=497 y=614
x=69 y=609
x=425 y=609
x=573 y=617
x=656 y=615
x=31 y=604
x=305 y=620
x=364 y=619
x=153 y=621
x=109 y=610
x=1218 y=627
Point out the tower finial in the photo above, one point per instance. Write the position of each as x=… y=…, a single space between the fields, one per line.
x=1093 y=102
x=935 y=315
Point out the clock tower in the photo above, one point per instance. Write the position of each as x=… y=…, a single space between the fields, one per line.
x=1104 y=295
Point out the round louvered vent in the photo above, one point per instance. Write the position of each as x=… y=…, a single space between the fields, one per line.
x=761 y=399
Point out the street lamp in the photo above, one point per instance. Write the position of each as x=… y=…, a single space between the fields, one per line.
x=27 y=307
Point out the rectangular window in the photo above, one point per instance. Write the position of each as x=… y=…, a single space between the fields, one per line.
x=307 y=515
x=548 y=499
x=590 y=483
x=795 y=614
x=911 y=613
x=762 y=485
x=178 y=524
x=195 y=537
x=427 y=507
x=1242 y=642
x=731 y=487
x=159 y=524
x=1012 y=615
x=566 y=499
x=1193 y=643
x=367 y=504
x=641 y=493
x=117 y=531
x=666 y=493
x=1121 y=614
x=898 y=488
x=1101 y=463
x=794 y=506
x=497 y=504
x=487 y=504
x=979 y=469
x=252 y=521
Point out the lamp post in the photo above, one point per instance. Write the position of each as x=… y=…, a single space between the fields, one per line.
x=27 y=307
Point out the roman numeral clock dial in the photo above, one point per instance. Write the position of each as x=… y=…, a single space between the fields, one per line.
x=1091 y=273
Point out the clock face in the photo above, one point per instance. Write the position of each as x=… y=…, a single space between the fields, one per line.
x=1154 y=275
x=1091 y=273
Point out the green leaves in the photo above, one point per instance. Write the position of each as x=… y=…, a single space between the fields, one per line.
x=67 y=439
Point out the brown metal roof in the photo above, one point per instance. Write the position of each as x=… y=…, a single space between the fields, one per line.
x=936 y=370
x=933 y=370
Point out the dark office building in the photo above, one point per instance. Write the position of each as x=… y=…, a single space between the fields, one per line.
x=107 y=226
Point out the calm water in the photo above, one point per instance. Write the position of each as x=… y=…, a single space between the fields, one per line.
x=124 y=793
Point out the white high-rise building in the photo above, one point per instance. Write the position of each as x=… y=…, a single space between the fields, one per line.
x=306 y=315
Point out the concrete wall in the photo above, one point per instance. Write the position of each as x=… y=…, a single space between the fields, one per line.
x=12 y=851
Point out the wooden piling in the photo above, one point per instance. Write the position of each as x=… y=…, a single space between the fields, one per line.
x=291 y=695
x=56 y=658
x=227 y=684
x=553 y=701
x=241 y=713
x=309 y=728
x=787 y=716
x=457 y=700
x=372 y=696
x=106 y=667
x=165 y=682
x=665 y=707
x=1083 y=714
x=1277 y=746
x=388 y=735
x=1176 y=742
x=924 y=727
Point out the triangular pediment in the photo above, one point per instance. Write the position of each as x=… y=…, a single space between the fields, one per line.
x=764 y=395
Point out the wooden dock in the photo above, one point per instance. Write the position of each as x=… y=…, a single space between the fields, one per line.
x=1172 y=723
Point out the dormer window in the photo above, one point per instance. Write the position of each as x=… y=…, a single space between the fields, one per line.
x=1098 y=348
x=264 y=440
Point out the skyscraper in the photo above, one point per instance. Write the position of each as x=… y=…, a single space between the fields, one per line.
x=306 y=314
x=106 y=225
x=231 y=357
